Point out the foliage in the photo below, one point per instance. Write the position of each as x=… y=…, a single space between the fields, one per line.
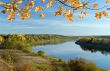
x=95 y=44
x=41 y=53
x=26 y=42
x=98 y=40
x=16 y=37
x=1 y=39
x=61 y=60
x=14 y=41
x=80 y=64
x=23 y=8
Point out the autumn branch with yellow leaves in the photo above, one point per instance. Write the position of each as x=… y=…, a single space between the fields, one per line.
x=66 y=8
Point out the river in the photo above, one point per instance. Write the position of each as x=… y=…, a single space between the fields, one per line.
x=70 y=50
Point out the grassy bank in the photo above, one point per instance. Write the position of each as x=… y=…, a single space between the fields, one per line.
x=17 y=60
x=16 y=55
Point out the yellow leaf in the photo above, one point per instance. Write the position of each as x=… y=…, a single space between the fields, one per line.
x=58 y=12
x=70 y=17
x=43 y=1
x=71 y=2
x=77 y=4
x=24 y=15
x=5 y=10
x=107 y=1
x=23 y=9
x=11 y=16
x=39 y=8
x=80 y=16
x=95 y=6
x=85 y=4
x=85 y=13
x=50 y=4
x=68 y=14
x=105 y=14
x=19 y=1
x=27 y=6
x=98 y=15
x=42 y=15
x=31 y=4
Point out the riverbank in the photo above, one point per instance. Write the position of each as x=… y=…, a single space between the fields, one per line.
x=17 y=60
x=17 y=55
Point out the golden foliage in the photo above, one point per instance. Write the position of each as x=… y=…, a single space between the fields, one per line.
x=1 y=39
x=42 y=15
x=39 y=8
x=80 y=16
x=68 y=14
x=98 y=15
x=43 y=1
x=11 y=16
x=107 y=1
x=59 y=12
x=31 y=4
x=95 y=6
x=50 y=4
x=85 y=4
x=23 y=9
x=25 y=14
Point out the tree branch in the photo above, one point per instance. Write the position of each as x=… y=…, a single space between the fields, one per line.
x=65 y=4
x=74 y=8
x=82 y=6
x=97 y=8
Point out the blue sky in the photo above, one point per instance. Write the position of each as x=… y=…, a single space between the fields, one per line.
x=56 y=25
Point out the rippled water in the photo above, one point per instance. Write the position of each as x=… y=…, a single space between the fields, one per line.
x=70 y=50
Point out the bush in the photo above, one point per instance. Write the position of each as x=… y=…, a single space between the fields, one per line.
x=80 y=64
x=61 y=60
x=1 y=39
x=41 y=53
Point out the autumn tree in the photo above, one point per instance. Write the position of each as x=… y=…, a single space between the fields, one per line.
x=16 y=37
x=16 y=41
x=23 y=8
x=1 y=39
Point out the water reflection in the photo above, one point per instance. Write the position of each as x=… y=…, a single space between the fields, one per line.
x=105 y=50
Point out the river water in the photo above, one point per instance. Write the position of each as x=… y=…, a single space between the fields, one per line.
x=70 y=50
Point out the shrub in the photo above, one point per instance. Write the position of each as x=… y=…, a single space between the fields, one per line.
x=41 y=53
x=61 y=60
x=1 y=39
x=80 y=64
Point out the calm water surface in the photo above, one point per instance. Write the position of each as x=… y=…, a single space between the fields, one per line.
x=70 y=50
